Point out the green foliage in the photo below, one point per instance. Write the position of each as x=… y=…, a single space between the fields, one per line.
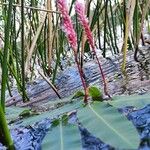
x=55 y=122
x=25 y=113
x=99 y=118
x=62 y=138
x=138 y=101
x=13 y=112
x=78 y=94
x=51 y=114
x=95 y=93
x=104 y=122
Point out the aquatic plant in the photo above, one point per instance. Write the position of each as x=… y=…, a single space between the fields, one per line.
x=80 y=10
x=42 y=41
x=4 y=130
x=67 y=27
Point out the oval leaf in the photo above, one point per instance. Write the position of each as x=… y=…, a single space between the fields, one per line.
x=63 y=138
x=95 y=93
x=106 y=123
x=52 y=114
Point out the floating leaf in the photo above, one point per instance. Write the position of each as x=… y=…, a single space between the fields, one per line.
x=13 y=112
x=106 y=123
x=25 y=113
x=51 y=114
x=138 y=101
x=62 y=138
x=95 y=93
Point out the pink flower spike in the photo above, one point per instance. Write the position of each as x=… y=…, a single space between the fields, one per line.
x=72 y=38
x=80 y=10
x=67 y=23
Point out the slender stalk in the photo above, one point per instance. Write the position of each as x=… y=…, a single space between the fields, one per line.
x=129 y=16
x=99 y=35
x=113 y=27
x=15 y=48
x=111 y=36
x=124 y=15
x=5 y=131
x=79 y=7
x=81 y=77
x=8 y=87
x=12 y=71
x=23 y=52
x=4 y=62
x=3 y=124
x=50 y=36
x=105 y=26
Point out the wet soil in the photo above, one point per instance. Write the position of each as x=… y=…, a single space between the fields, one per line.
x=68 y=81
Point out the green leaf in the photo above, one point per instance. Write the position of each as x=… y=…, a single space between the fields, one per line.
x=13 y=112
x=106 y=123
x=55 y=122
x=95 y=93
x=63 y=138
x=78 y=94
x=25 y=113
x=52 y=114
x=138 y=101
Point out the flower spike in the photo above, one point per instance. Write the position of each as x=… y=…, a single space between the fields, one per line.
x=80 y=10
x=67 y=25
x=72 y=38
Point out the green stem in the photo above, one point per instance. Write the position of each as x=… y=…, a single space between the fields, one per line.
x=4 y=62
x=5 y=131
x=22 y=52
x=105 y=28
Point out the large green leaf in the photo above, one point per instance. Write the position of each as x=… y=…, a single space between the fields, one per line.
x=52 y=114
x=63 y=138
x=137 y=101
x=106 y=123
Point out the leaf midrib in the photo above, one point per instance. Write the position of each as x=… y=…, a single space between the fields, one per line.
x=108 y=125
x=61 y=136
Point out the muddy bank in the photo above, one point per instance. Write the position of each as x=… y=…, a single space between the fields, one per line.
x=68 y=82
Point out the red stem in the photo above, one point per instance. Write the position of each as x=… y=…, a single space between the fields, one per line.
x=103 y=76
x=81 y=76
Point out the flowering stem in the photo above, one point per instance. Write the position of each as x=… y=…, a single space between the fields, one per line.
x=72 y=39
x=80 y=10
x=103 y=76
x=81 y=76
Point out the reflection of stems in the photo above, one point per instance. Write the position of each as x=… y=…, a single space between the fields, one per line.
x=81 y=76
